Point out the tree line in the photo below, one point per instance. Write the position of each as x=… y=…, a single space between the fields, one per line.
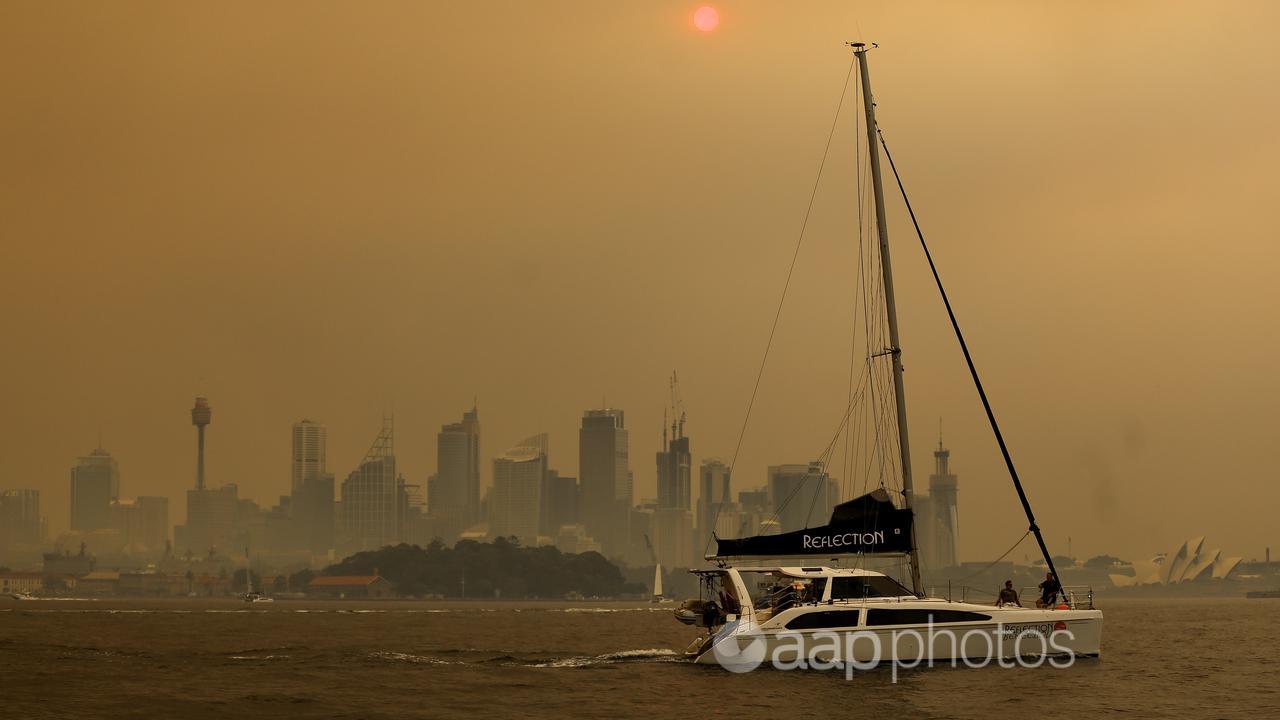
x=500 y=569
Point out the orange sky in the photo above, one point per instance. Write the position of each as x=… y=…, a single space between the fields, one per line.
x=342 y=209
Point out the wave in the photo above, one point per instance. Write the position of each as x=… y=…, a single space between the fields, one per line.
x=257 y=657
x=388 y=656
x=649 y=655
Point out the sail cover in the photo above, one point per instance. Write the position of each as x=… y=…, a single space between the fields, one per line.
x=866 y=524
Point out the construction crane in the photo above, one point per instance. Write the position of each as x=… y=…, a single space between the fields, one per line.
x=677 y=408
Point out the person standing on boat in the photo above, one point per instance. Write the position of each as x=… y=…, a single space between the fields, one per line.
x=1008 y=596
x=1049 y=590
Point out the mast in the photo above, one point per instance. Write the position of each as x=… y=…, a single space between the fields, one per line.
x=891 y=307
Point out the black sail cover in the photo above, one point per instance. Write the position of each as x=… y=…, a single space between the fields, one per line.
x=866 y=524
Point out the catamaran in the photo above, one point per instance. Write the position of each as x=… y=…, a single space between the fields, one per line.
x=773 y=608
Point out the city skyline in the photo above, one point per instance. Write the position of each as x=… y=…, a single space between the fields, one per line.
x=764 y=484
x=529 y=500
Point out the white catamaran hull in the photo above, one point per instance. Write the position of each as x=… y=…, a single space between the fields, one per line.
x=1010 y=634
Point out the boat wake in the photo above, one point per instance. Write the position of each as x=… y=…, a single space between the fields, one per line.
x=399 y=657
x=651 y=655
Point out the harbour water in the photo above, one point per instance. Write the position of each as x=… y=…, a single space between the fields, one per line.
x=193 y=659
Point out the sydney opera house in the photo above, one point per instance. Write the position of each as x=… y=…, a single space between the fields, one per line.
x=1189 y=562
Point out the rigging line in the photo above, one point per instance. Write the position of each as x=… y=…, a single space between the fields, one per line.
x=860 y=439
x=871 y=328
x=824 y=459
x=973 y=371
x=857 y=292
x=993 y=563
x=826 y=454
x=844 y=90
x=818 y=491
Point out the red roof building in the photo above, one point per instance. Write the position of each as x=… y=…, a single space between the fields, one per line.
x=350 y=587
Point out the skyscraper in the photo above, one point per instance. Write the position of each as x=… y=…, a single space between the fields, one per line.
x=313 y=510
x=95 y=484
x=672 y=521
x=713 y=498
x=309 y=444
x=211 y=520
x=605 y=478
x=312 y=488
x=453 y=493
x=800 y=495
x=20 y=522
x=519 y=476
x=143 y=524
x=675 y=468
x=943 y=488
x=370 y=496
x=559 y=503
x=673 y=536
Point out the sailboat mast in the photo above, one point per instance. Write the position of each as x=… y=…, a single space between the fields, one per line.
x=891 y=307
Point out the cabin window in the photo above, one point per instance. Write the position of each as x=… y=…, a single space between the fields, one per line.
x=893 y=616
x=866 y=586
x=777 y=592
x=825 y=619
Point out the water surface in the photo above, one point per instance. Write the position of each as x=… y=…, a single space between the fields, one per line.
x=195 y=659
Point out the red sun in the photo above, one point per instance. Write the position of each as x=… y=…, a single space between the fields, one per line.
x=706 y=18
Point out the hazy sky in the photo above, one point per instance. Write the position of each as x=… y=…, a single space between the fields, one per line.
x=332 y=210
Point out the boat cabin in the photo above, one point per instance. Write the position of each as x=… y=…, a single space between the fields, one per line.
x=727 y=593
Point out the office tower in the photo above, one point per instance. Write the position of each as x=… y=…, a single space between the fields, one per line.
x=673 y=536
x=20 y=522
x=713 y=492
x=201 y=416
x=799 y=495
x=211 y=519
x=308 y=457
x=453 y=493
x=942 y=501
x=713 y=500
x=153 y=522
x=416 y=526
x=142 y=524
x=515 y=509
x=314 y=513
x=311 y=505
x=559 y=503
x=370 y=494
x=95 y=484
x=605 y=479
x=675 y=468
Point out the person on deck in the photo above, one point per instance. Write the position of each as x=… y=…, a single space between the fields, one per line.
x=1008 y=596
x=1049 y=590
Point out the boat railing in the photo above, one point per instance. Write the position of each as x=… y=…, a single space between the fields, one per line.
x=1075 y=597
x=1079 y=597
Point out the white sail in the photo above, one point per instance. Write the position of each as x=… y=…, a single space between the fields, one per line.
x=657 y=581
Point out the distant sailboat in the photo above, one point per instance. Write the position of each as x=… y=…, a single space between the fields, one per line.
x=657 y=584
x=249 y=595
